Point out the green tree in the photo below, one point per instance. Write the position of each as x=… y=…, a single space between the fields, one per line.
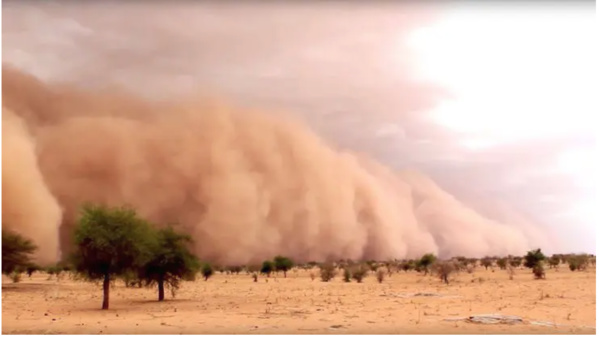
x=283 y=264
x=515 y=261
x=554 y=261
x=533 y=258
x=425 y=262
x=16 y=251
x=171 y=261
x=267 y=268
x=502 y=263
x=486 y=262
x=110 y=242
x=207 y=271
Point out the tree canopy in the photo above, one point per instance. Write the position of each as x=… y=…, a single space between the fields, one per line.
x=16 y=251
x=170 y=261
x=283 y=264
x=110 y=242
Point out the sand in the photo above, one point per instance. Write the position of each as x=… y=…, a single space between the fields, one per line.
x=299 y=305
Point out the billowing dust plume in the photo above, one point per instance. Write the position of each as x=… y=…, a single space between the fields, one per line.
x=245 y=184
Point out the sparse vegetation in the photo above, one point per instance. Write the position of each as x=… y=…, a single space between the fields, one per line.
x=267 y=268
x=207 y=271
x=533 y=258
x=425 y=263
x=486 y=262
x=515 y=261
x=554 y=261
x=444 y=269
x=327 y=272
x=283 y=264
x=359 y=272
x=538 y=271
x=16 y=251
x=502 y=263
x=578 y=262
x=380 y=276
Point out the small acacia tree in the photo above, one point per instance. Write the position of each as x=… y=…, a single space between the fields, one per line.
x=170 y=262
x=110 y=242
x=267 y=268
x=554 y=261
x=534 y=260
x=444 y=269
x=426 y=262
x=486 y=262
x=16 y=252
x=207 y=271
x=502 y=263
x=283 y=264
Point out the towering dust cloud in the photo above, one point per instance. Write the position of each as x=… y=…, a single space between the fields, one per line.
x=246 y=185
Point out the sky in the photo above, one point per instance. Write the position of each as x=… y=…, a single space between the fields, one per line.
x=494 y=102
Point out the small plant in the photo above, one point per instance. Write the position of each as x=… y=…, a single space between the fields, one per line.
x=380 y=276
x=327 y=272
x=444 y=269
x=207 y=271
x=511 y=271
x=346 y=275
x=407 y=265
x=538 y=271
x=359 y=272
x=15 y=276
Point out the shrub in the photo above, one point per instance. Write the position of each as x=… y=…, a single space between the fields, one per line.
x=515 y=261
x=533 y=258
x=502 y=263
x=16 y=251
x=538 y=271
x=327 y=272
x=267 y=268
x=578 y=262
x=359 y=272
x=283 y=264
x=32 y=268
x=554 y=261
x=255 y=277
x=444 y=269
x=407 y=265
x=426 y=262
x=207 y=271
x=15 y=276
x=380 y=276
x=486 y=262
x=346 y=274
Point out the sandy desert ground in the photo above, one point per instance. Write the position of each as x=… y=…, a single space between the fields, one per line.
x=298 y=305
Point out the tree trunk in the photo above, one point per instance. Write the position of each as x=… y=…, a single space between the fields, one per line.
x=161 y=290
x=106 y=291
x=285 y=273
